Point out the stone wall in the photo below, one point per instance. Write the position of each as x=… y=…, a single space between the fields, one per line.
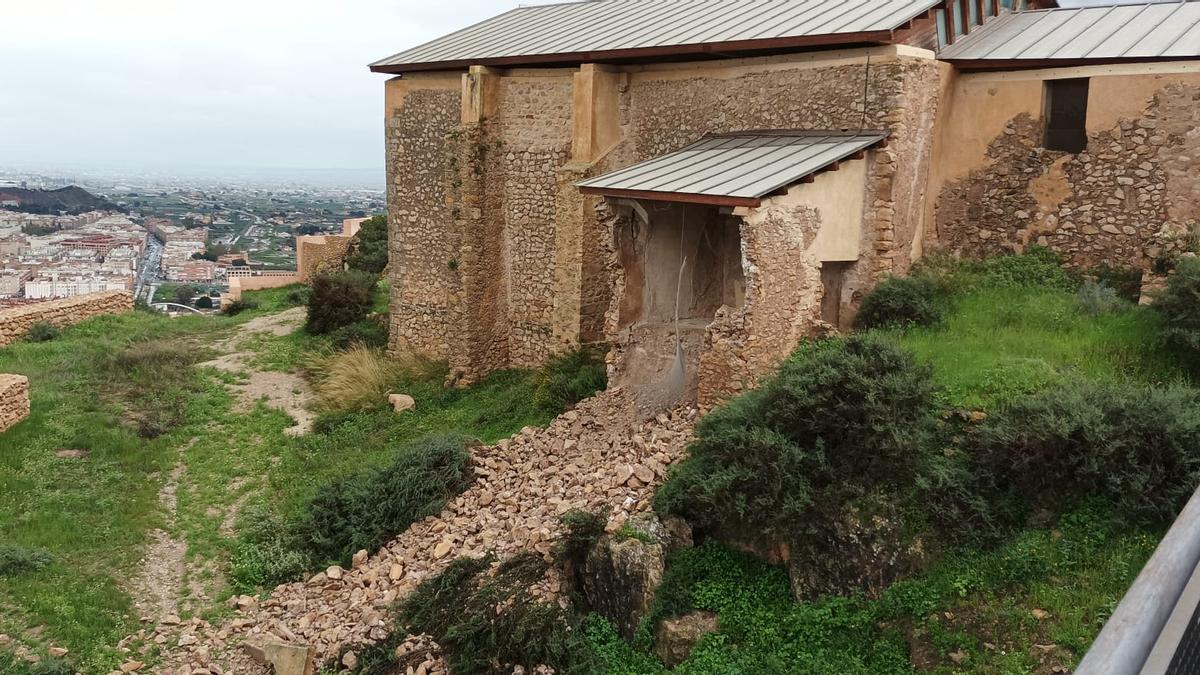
x=14 y=400
x=239 y=285
x=16 y=322
x=320 y=253
x=1129 y=199
x=498 y=261
x=424 y=280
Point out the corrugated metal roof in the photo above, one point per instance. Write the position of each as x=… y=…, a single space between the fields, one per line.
x=602 y=27
x=743 y=166
x=1142 y=31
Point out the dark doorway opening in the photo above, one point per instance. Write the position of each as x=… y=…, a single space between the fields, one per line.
x=1066 y=115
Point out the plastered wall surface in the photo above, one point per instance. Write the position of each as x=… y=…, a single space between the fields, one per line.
x=16 y=322
x=14 y=400
x=1127 y=200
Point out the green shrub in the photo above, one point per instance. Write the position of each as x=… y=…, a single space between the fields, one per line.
x=42 y=331
x=1179 y=306
x=368 y=332
x=339 y=300
x=569 y=378
x=1095 y=299
x=1138 y=446
x=369 y=248
x=238 y=306
x=204 y=302
x=16 y=560
x=1036 y=267
x=297 y=296
x=266 y=554
x=488 y=623
x=843 y=418
x=51 y=667
x=901 y=301
x=365 y=510
x=1126 y=282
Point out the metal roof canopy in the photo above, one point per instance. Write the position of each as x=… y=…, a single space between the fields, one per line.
x=599 y=30
x=1141 y=32
x=736 y=169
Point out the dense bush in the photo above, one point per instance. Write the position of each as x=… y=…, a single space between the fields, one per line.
x=338 y=300
x=1096 y=299
x=266 y=554
x=1138 y=446
x=901 y=301
x=204 y=302
x=369 y=248
x=16 y=560
x=569 y=378
x=842 y=418
x=368 y=333
x=238 y=306
x=1179 y=306
x=489 y=622
x=1036 y=267
x=42 y=331
x=365 y=510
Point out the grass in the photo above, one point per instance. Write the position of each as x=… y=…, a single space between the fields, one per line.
x=980 y=608
x=1001 y=343
x=99 y=385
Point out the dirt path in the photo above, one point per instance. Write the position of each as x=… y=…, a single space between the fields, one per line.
x=283 y=391
x=157 y=588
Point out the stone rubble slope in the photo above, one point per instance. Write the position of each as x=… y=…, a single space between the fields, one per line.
x=599 y=457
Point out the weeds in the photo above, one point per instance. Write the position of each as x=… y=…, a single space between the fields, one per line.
x=42 y=331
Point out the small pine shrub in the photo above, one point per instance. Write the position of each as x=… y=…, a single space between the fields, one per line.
x=1138 y=446
x=900 y=302
x=843 y=418
x=338 y=300
x=569 y=378
x=238 y=306
x=1179 y=306
x=364 y=511
x=16 y=560
x=487 y=621
x=42 y=331
x=369 y=248
x=1095 y=299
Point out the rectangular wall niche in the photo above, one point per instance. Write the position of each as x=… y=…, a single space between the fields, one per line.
x=1066 y=114
x=687 y=256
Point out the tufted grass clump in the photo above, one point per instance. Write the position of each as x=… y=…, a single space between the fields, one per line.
x=361 y=377
x=569 y=378
x=42 y=331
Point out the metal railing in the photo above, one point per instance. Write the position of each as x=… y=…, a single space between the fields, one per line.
x=1155 y=629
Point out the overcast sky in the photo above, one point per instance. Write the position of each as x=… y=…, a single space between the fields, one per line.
x=206 y=83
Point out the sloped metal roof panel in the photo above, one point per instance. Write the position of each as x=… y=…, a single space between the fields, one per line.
x=746 y=166
x=1142 y=31
x=605 y=26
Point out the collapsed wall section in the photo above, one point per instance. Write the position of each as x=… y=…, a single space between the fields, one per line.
x=1129 y=199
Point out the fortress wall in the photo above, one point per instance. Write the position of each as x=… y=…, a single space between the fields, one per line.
x=16 y=322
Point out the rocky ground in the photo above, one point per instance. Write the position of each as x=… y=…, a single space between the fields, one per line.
x=603 y=456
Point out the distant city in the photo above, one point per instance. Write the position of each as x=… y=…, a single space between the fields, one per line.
x=66 y=235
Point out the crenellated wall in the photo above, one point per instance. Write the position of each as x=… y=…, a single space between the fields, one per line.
x=16 y=322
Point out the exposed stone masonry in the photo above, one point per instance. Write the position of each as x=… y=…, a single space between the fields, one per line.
x=14 y=400
x=16 y=322
x=1128 y=199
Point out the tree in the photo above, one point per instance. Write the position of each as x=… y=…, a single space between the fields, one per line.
x=369 y=249
x=184 y=295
